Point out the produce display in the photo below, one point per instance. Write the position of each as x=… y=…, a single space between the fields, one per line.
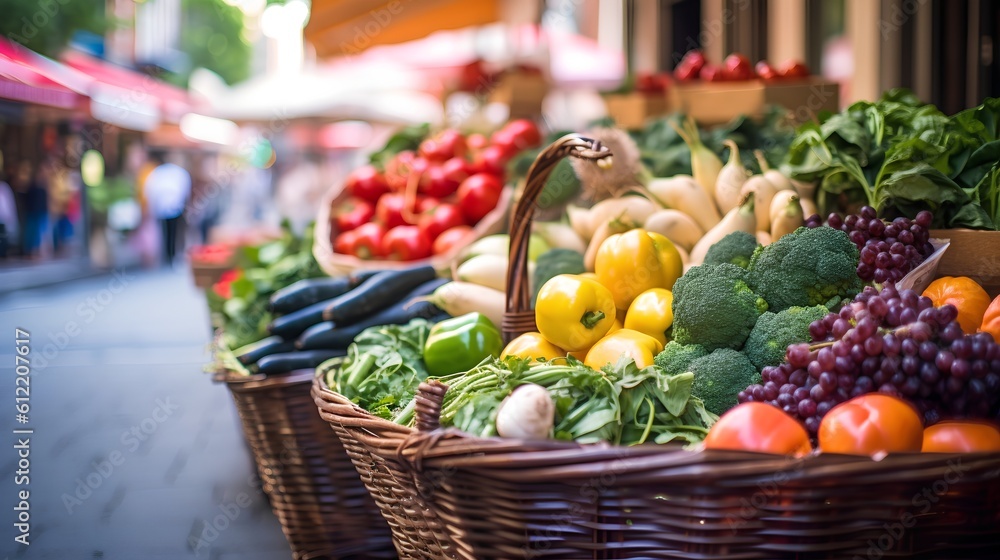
x=420 y=196
x=736 y=67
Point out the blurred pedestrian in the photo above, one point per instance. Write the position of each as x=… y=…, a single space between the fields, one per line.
x=166 y=191
x=36 y=210
x=9 y=222
x=61 y=195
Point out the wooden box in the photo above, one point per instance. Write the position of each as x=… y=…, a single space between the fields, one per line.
x=972 y=253
x=720 y=102
x=523 y=92
x=632 y=110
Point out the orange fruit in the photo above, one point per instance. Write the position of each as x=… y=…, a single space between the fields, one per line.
x=965 y=294
x=991 y=320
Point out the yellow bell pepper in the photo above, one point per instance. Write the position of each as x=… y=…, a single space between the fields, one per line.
x=582 y=354
x=590 y=275
x=651 y=312
x=573 y=312
x=640 y=347
x=635 y=261
x=534 y=346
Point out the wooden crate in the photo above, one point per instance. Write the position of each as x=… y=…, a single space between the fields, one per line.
x=972 y=253
x=632 y=110
x=719 y=102
x=523 y=92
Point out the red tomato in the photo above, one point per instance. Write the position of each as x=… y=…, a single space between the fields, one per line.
x=689 y=68
x=389 y=210
x=961 y=437
x=448 y=240
x=443 y=146
x=367 y=241
x=366 y=183
x=456 y=169
x=766 y=72
x=478 y=195
x=436 y=182
x=442 y=217
x=342 y=243
x=738 y=67
x=761 y=427
x=793 y=69
x=477 y=141
x=492 y=160
x=871 y=424
x=353 y=213
x=523 y=134
x=397 y=171
x=713 y=73
x=426 y=204
x=405 y=243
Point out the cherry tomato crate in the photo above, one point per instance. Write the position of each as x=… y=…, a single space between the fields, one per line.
x=458 y=496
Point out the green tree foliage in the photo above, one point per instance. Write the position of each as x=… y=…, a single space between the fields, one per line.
x=212 y=37
x=46 y=26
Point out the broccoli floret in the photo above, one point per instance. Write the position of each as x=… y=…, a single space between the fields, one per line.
x=735 y=248
x=714 y=307
x=810 y=266
x=774 y=332
x=720 y=376
x=676 y=358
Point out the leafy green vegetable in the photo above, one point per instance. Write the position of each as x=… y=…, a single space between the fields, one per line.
x=901 y=156
x=243 y=317
x=621 y=404
x=383 y=367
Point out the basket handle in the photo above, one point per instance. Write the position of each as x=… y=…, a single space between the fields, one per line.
x=519 y=318
x=427 y=405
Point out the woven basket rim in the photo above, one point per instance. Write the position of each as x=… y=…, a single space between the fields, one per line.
x=238 y=381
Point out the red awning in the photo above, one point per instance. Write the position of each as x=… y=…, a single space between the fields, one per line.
x=127 y=98
x=29 y=77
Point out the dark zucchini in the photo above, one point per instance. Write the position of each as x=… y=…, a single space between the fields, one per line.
x=291 y=361
x=291 y=325
x=314 y=290
x=328 y=335
x=250 y=353
x=379 y=292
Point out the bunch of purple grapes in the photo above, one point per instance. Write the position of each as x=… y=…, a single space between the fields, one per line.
x=894 y=342
x=889 y=250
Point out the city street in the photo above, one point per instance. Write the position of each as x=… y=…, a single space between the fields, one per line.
x=135 y=453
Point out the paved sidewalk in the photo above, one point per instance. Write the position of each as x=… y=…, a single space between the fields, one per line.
x=21 y=274
x=135 y=453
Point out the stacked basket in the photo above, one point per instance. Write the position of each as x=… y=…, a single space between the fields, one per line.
x=448 y=494
x=324 y=510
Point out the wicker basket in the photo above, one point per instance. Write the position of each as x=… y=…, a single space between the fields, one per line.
x=502 y=498
x=324 y=510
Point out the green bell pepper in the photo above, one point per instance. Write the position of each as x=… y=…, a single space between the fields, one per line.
x=460 y=343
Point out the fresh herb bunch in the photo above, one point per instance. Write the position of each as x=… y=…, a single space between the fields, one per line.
x=243 y=316
x=901 y=156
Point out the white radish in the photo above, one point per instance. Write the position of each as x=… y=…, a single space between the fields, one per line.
x=740 y=218
x=681 y=192
x=705 y=165
x=685 y=257
x=560 y=235
x=579 y=220
x=487 y=270
x=676 y=226
x=628 y=209
x=777 y=178
x=764 y=237
x=458 y=298
x=787 y=219
x=763 y=191
x=780 y=202
x=807 y=197
x=527 y=413
x=731 y=180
